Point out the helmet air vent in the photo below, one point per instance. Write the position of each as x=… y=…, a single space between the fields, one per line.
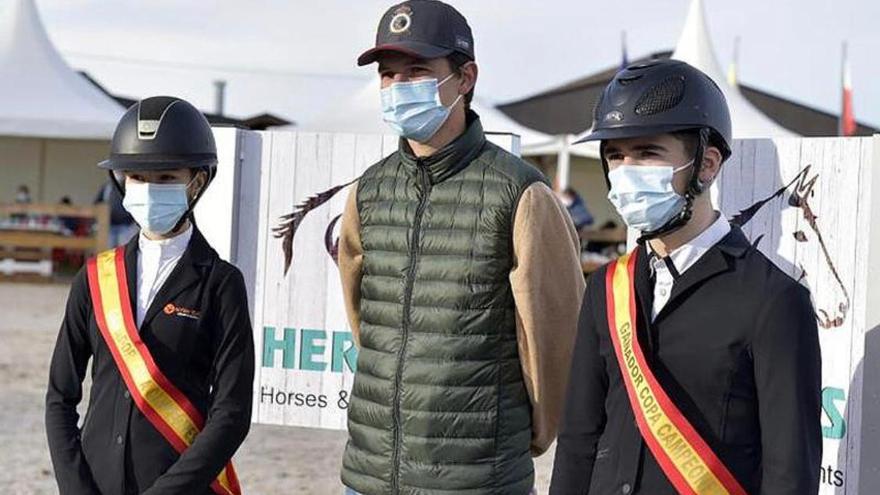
x=662 y=97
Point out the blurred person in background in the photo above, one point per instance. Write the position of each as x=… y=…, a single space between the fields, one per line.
x=71 y=224
x=577 y=208
x=23 y=195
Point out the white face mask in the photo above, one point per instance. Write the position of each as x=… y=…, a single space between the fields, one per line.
x=644 y=196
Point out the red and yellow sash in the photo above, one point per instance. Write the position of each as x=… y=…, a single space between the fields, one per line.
x=683 y=455
x=173 y=415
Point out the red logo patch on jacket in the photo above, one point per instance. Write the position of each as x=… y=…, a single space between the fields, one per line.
x=172 y=309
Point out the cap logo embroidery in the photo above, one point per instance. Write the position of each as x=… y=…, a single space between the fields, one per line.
x=401 y=21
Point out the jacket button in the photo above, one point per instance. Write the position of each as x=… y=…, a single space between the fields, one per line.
x=127 y=394
x=118 y=439
x=626 y=488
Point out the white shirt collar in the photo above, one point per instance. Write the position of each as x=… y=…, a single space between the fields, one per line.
x=165 y=248
x=687 y=255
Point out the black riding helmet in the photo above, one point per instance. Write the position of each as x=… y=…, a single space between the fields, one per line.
x=162 y=133
x=659 y=97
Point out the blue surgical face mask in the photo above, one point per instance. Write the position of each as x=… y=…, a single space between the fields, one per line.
x=156 y=207
x=413 y=109
x=644 y=196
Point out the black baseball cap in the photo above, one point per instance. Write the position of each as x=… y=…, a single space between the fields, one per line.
x=421 y=28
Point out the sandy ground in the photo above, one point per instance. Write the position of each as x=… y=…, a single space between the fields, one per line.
x=273 y=459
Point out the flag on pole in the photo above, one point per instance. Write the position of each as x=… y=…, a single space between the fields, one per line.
x=733 y=70
x=847 y=115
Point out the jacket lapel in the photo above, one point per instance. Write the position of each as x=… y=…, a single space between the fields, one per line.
x=643 y=285
x=717 y=260
x=188 y=272
x=644 y=288
x=131 y=270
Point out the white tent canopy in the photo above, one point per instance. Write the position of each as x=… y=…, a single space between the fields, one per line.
x=495 y=120
x=360 y=112
x=40 y=95
x=695 y=47
x=557 y=144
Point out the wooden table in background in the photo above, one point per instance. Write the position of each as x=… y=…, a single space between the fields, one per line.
x=36 y=245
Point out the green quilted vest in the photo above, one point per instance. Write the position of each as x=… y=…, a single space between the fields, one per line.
x=438 y=402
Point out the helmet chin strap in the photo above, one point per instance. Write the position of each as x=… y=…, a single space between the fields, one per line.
x=694 y=188
x=188 y=215
x=115 y=181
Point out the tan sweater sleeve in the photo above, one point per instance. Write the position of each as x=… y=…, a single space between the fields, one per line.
x=351 y=259
x=548 y=285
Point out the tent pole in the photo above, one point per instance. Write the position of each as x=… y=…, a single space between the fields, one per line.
x=563 y=163
x=41 y=173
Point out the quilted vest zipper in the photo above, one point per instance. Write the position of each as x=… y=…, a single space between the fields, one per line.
x=425 y=182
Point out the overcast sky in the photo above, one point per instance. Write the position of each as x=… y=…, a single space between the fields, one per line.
x=275 y=54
